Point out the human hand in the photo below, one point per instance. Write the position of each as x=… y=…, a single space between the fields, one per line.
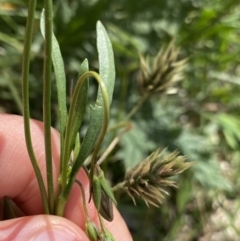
x=18 y=183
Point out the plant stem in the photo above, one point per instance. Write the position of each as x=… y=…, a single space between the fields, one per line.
x=61 y=203
x=130 y=114
x=113 y=144
x=101 y=222
x=47 y=100
x=118 y=125
x=137 y=106
x=118 y=186
x=84 y=199
x=25 y=97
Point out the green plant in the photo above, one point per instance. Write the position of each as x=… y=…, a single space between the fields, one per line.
x=73 y=150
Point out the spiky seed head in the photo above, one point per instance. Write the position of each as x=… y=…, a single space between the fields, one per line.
x=150 y=179
x=160 y=73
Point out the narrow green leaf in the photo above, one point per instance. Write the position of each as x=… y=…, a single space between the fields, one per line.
x=93 y=131
x=60 y=79
x=107 y=73
x=100 y=111
x=106 y=61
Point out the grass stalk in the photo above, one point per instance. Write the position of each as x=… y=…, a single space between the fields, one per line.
x=137 y=106
x=47 y=100
x=25 y=98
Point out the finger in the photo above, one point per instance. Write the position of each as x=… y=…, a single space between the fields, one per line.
x=41 y=227
x=18 y=181
x=17 y=178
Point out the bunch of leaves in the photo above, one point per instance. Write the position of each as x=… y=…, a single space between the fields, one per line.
x=73 y=151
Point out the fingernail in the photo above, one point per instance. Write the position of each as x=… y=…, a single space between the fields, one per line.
x=56 y=234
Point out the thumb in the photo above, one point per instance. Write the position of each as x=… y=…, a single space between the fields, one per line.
x=39 y=228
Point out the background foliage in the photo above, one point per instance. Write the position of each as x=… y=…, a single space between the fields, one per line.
x=200 y=118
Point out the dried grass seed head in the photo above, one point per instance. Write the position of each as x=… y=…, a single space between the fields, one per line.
x=159 y=74
x=150 y=179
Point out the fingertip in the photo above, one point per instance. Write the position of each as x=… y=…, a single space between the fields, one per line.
x=15 y=163
x=41 y=227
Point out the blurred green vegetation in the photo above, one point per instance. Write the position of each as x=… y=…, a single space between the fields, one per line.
x=200 y=119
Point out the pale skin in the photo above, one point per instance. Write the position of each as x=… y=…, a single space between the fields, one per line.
x=18 y=182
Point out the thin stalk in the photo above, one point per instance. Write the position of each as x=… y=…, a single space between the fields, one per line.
x=101 y=222
x=119 y=186
x=25 y=99
x=47 y=101
x=137 y=107
x=117 y=126
x=130 y=114
x=113 y=144
x=91 y=229
x=84 y=199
